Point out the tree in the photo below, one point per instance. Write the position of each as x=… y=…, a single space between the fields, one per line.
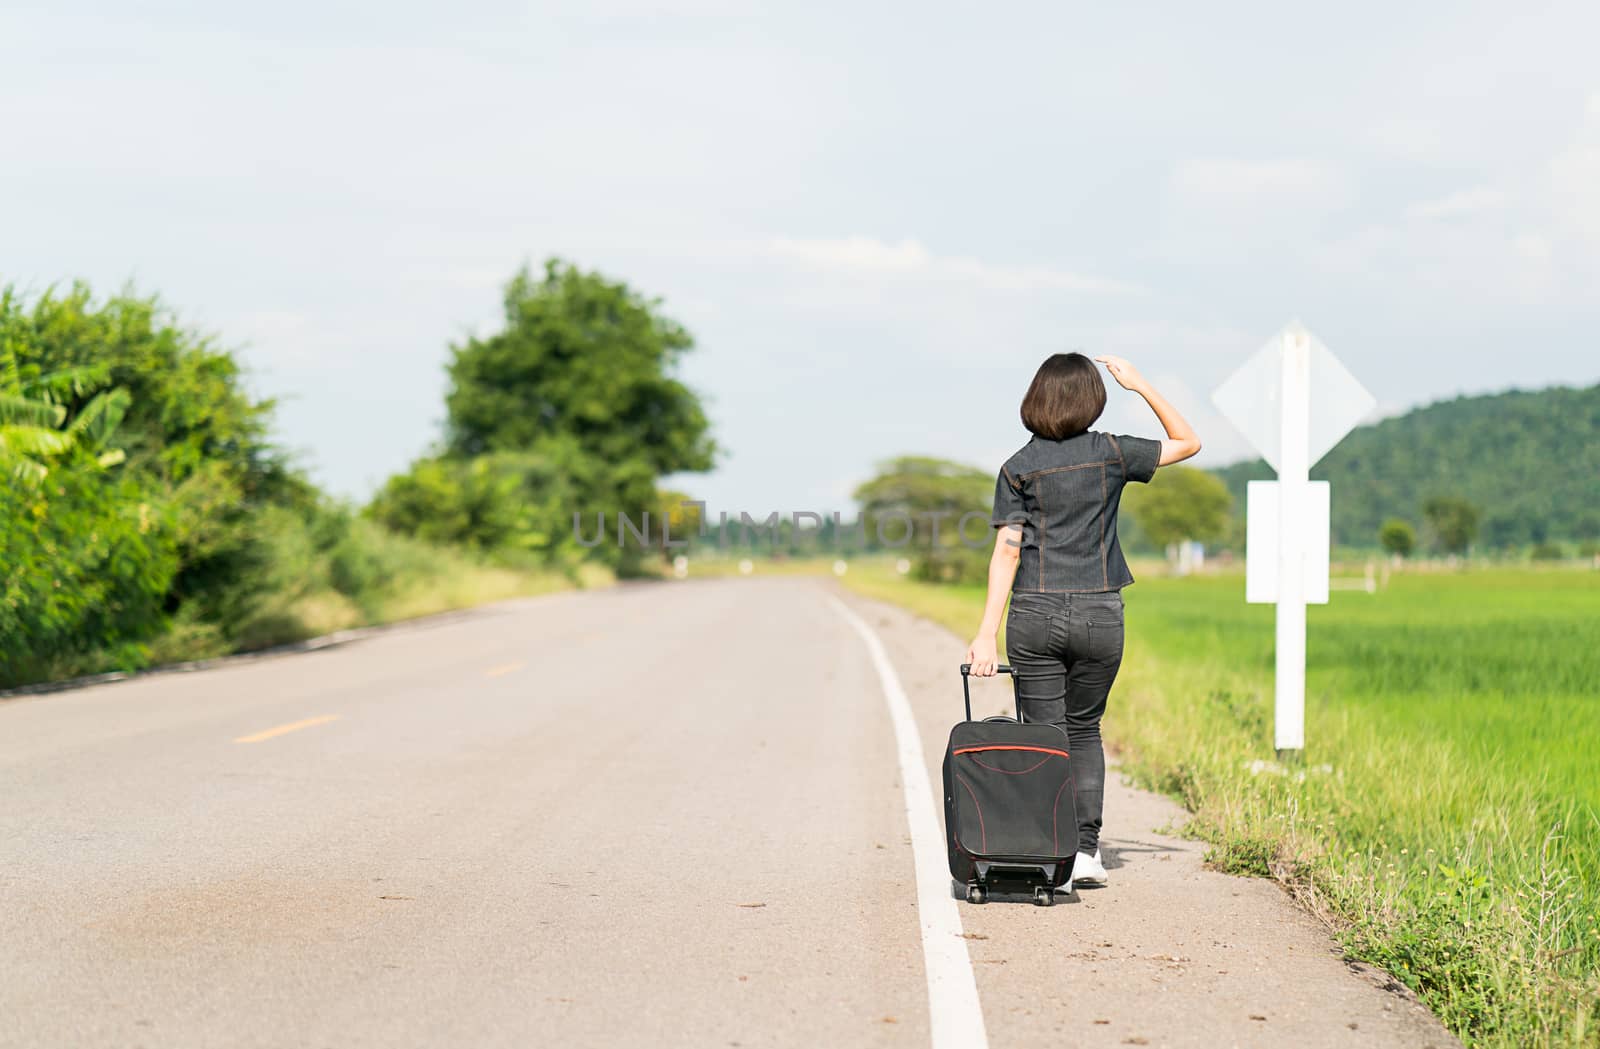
x=506 y=502
x=910 y=494
x=1180 y=503
x=87 y=561
x=32 y=413
x=86 y=567
x=197 y=445
x=581 y=375
x=677 y=518
x=580 y=358
x=1453 y=521
x=187 y=409
x=187 y=405
x=1397 y=537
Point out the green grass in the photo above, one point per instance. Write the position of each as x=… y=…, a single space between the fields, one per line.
x=1444 y=819
x=373 y=576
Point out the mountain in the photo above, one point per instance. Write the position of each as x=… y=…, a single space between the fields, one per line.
x=1529 y=460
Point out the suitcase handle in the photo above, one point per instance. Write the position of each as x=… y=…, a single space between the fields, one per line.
x=966 y=687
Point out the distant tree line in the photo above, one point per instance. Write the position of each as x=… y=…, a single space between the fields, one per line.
x=1180 y=504
x=1514 y=470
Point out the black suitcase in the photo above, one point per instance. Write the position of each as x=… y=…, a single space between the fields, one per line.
x=1010 y=812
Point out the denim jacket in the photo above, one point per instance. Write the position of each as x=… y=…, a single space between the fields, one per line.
x=1065 y=495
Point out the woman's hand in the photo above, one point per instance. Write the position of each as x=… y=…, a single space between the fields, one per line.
x=1124 y=372
x=984 y=656
x=1181 y=442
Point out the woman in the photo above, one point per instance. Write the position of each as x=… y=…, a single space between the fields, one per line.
x=1056 y=553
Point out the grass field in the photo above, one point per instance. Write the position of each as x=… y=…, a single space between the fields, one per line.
x=1445 y=820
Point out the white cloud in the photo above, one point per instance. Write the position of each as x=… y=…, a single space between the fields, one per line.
x=281 y=339
x=1457 y=204
x=1138 y=338
x=1542 y=247
x=1532 y=268
x=1251 y=181
x=908 y=257
x=472 y=278
x=1408 y=138
x=857 y=253
x=1575 y=174
x=1532 y=247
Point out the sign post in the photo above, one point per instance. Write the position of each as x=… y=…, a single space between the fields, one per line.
x=1287 y=521
x=1294 y=472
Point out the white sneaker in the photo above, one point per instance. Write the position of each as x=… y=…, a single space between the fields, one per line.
x=1088 y=870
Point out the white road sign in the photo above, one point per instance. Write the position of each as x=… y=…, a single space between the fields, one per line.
x=1261 y=563
x=1294 y=401
x=1252 y=398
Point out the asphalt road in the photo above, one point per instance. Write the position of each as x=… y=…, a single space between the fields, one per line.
x=666 y=815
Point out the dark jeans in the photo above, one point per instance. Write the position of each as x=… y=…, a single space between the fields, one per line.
x=1066 y=649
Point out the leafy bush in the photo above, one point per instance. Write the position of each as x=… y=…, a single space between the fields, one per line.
x=1452 y=521
x=196 y=444
x=507 y=502
x=88 y=563
x=1397 y=537
x=205 y=539
x=1179 y=503
x=909 y=494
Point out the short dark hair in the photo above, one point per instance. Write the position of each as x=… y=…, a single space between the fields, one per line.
x=1065 y=398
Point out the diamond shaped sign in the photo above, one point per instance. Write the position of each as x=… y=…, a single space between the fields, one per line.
x=1251 y=397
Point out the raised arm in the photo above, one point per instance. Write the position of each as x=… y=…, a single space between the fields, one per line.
x=1181 y=442
x=984 y=652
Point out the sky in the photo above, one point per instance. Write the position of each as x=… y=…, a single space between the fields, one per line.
x=876 y=219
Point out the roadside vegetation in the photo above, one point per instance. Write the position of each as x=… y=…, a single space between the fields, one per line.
x=148 y=514
x=1445 y=818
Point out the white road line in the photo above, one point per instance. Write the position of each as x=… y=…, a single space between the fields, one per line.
x=955 y=1015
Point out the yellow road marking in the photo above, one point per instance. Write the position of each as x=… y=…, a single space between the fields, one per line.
x=293 y=726
x=504 y=669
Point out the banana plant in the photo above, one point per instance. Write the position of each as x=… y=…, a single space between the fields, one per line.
x=32 y=416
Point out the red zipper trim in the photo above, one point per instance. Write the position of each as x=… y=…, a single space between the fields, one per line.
x=1041 y=750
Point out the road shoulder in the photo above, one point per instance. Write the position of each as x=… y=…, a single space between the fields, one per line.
x=1170 y=953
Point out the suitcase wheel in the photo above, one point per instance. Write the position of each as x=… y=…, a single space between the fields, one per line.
x=977 y=893
x=1044 y=896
